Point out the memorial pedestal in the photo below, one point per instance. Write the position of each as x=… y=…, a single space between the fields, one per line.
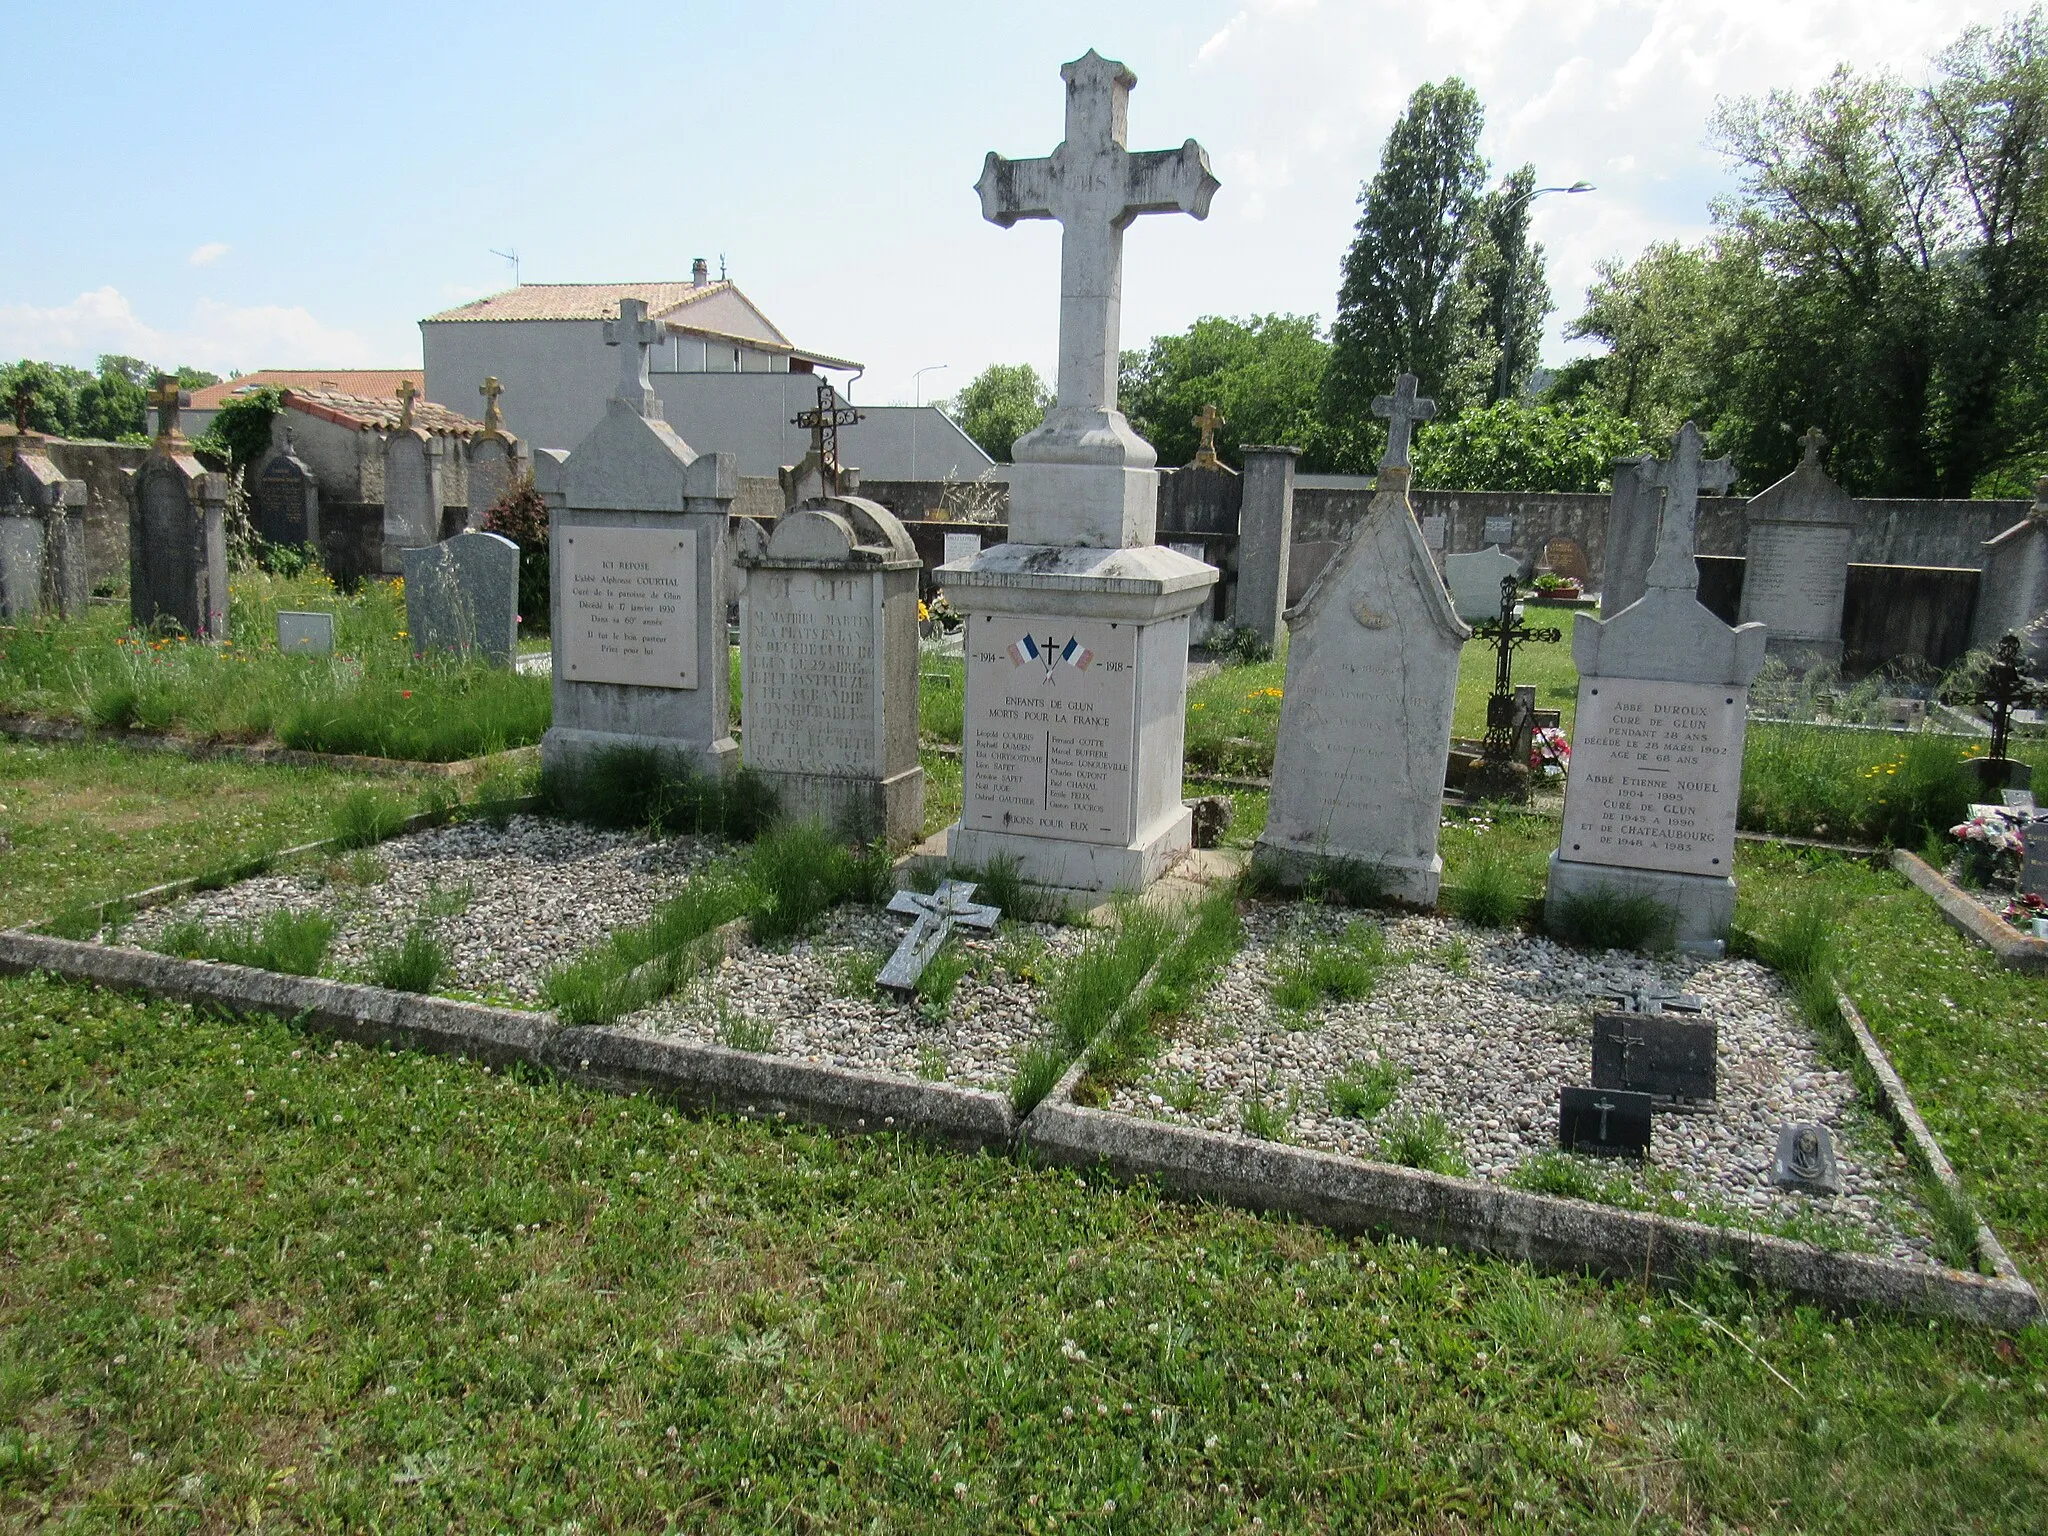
x=1076 y=703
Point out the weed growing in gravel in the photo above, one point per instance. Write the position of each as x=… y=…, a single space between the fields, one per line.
x=448 y=901
x=639 y=788
x=800 y=870
x=1347 y=883
x=1345 y=969
x=1608 y=918
x=359 y=868
x=931 y=1063
x=1184 y=1092
x=637 y=966
x=854 y=972
x=999 y=884
x=1023 y=956
x=1574 y=1178
x=364 y=817
x=1364 y=1088
x=736 y=1031
x=1489 y=890
x=294 y=943
x=1039 y=1069
x=937 y=981
x=414 y=964
x=1454 y=955
x=1422 y=1141
x=1267 y=1122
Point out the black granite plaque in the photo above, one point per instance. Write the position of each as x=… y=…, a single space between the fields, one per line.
x=1654 y=1054
x=1607 y=1121
x=285 y=500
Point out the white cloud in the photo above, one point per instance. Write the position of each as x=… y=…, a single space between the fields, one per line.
x=218 y=336
x=206 y=255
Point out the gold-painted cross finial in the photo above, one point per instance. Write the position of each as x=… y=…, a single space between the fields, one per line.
x=1208 y=422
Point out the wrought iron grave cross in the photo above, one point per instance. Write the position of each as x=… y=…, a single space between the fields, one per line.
x=1402 y=409
x=823 y=422
x=1504 y=634
x=2006 y=688
x=951 y=906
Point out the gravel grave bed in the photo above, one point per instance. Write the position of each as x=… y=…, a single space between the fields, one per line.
x=509 y=904
x=1486 y=1044
x=817 y=1001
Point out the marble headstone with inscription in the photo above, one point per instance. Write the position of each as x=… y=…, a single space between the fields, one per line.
x=462 y=596
x=828 y=651
x=1657 y=752
x=1797 y=567
x=1474 y=581
x=1365 y=721
x=639 y=557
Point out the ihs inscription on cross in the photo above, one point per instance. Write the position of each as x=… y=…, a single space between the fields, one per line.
x=1094 y=187
x=1401 y=410
x=1504 y=634
x=951 y=906
x=633 y=333
x=168 y=400
x=823 y=422
x=2006 y=688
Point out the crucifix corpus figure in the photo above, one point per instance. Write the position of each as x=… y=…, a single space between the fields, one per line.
x=168 y=400
x=1207 y=423
x=1094 y=186
x=951 y=906
x=1402 y=409
x=633 y=333
x=1504 y=634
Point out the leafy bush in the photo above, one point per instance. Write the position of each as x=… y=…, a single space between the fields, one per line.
x=521 y=516
x=1514 y=445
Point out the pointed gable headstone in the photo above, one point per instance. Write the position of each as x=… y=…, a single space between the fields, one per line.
x=497 y=459
x=1796 y=569
x=177 y=546
x=287 y=498
x=1656 y=769
x=1365 y=720
x=42 y=531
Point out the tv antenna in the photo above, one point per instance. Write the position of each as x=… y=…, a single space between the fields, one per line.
x=721 y=266
x=513 y=257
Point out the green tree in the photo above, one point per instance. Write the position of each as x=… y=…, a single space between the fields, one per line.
x=1406 y=302
x=114 y=404
x=1264 y=373
x=1507 y=271
x=1003 y=403
x=53 y=395
x=240 y=432
x=1514 y=445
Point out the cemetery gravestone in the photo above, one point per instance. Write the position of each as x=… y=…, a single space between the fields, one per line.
x=1265 y=538
x=497 y=460
x=462 y=596
x=1434 y=528
x=177 y=547
x=828 y=644
x=288 y=500
x=1664 y=1057
x=21 y=564
x=962 y=546
x=1657 y=757
x=1365 y=717
x=2034 y=856
x=1797 y=566
x=1634 y=508
x=1566 y=559
x=1805 y=1160
x=1077 y=629
x=1607 y=1122
x=1474 y=581
x=2012 y=592
x=412 y=495
x=640 y=558
x=949 y=907
x=306 y=634
x=1499 y=529
x=42 y=531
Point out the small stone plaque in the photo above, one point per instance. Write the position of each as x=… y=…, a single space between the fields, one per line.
x=1191 y=550
x=1606 y=1121
x=1499 y=530
x=306 y=634
x=962 y=546
x=1664 y=1057
x=1433 y=527
x=629 y=599
x=1806 y=1160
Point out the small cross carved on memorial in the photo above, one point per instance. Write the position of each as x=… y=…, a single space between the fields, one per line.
x=1206 y=424
x=823 y=422
x=2007 y=687
x=1401 y=410
x=951 y=906
x=168 y=399
x=406 y=391
x=490 y=389
x=1504 y=634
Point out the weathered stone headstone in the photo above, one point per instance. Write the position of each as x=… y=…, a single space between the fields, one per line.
x=42 y=531
x=2034 y=857
x=1805 y=1160
x=828 y=645
x=1077 y=629
x=640 y=554
x=1435 y=527
x=1607 y=1122
x=496 y=458
x=1474 y=580
x=288 y=499
x=412 y=494
x=177 y=548
x=2012 y=592
x=1365 y=721
x=305 y=634
x=462 y=596
x=21 y=564
x=1797 y=567
x=1265 y=537
x=1657 y=755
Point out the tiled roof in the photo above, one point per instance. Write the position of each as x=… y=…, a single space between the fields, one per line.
x=363 y=413
x=579 y=301
x=370 y=383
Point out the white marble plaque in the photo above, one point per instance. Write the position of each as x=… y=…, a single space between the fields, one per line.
x=629 y=606
x=1795 y=578
x=1051 y=728
x=1433 y=530
x=1656 y=775
x=1192 y=550
x=306 y=634
x=812 y=691
x=962 y=546
x=1499 y=530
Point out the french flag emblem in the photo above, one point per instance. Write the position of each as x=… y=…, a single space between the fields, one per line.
x=1077 y=655
x=1024 y=650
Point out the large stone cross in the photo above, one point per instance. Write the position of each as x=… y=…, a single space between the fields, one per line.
x=633 y=333
x=1094 y=186
x=1810 y=446
x=951 y=905
x=1683 y=477
x=407 y=390
x=1206 y=424
x=24 y=397
x=490 y=389
x=168 y=398
x=1402 y=409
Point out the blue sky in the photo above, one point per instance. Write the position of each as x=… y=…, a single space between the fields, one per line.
x=289 y=185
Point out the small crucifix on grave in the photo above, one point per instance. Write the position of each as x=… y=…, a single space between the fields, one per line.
x=633 y=333
x=2006 y=688
x=949 y=907
x=823 y=422
x=168 y=399
x=490 y=389
x=406 y=391
x=1401 y=410
x=1683 y=476
x=1207 y=423
x=1504 y=634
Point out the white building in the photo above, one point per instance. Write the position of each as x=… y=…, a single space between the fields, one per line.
x=728 y=380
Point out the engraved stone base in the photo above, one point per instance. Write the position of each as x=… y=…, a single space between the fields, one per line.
x=1291 y=868
x=565 y=750
x=1077 y=866
x=1703 y=906
x=891 y=809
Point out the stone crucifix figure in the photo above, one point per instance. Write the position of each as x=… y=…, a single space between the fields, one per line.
x=1094 y=186
x=1683 y=476
x=490 y=389
x=633 y=333
x=1402 y=409
x=951 y=906
x=168 y=399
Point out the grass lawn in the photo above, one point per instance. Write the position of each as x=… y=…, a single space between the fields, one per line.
x=371 y=697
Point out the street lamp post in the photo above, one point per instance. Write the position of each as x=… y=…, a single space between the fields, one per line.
x=1507 y=340
x=917 y=403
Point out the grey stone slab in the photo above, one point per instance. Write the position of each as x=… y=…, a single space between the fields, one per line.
x=1796 y=570
x=462 y=596
x=2034 y=857
x=412 y=495
x=305 y=634
x=1663 y=1057
x=21 y=565
x=1265 y=542
x=177 y=546
x=496 y=463
x=1606 y=1122
x=288 y=500
x=1474 y=579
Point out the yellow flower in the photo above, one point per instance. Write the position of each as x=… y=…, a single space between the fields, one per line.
x=923 y=612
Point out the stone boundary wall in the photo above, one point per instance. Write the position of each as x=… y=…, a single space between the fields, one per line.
x=104 y=468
